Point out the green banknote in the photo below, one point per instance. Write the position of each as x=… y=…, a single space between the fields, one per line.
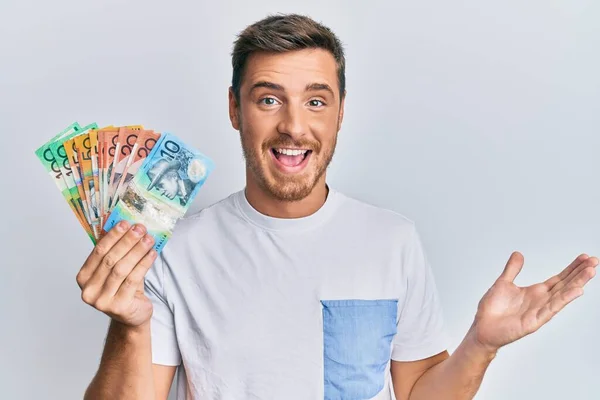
x=58 y=151
x=163 y=188
x=48 y=159
x=45 y=156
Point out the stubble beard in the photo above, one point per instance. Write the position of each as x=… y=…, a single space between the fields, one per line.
x=280 y=186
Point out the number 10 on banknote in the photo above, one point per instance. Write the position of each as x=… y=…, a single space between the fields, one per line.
x=163 y=188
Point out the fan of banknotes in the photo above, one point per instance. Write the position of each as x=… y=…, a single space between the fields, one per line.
x=128 y=173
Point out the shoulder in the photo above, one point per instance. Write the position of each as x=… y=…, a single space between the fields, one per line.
x=375 y=219
x=224 y=206
x=206 y=222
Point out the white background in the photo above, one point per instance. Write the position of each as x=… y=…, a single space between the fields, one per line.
x=477 y=120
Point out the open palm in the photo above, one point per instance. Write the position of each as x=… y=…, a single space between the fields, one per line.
x=508 y=312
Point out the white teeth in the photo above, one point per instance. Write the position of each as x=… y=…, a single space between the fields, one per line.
x=291 y=152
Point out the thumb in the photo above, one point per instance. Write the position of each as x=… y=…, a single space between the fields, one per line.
x=513 y=267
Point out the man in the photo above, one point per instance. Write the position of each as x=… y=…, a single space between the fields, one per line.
x=165 y=177
x=288 y=289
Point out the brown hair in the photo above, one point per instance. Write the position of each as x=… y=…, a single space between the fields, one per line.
x=281 y=33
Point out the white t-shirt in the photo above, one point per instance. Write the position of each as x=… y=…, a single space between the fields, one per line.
x=254 y=307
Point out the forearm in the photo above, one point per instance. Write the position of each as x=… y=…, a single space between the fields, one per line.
x=125 y=370
x=458 y=377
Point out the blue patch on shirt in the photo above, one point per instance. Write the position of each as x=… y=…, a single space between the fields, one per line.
x=357 y=338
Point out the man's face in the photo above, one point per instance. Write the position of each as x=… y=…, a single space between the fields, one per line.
x=167 y=186
x=288 y=117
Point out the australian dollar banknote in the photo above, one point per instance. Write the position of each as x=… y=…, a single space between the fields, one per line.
x=162 y=189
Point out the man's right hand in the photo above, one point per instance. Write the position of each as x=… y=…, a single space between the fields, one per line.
x=112 y=277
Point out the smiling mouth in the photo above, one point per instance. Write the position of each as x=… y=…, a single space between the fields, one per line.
x=291 y=157
x=290 y=161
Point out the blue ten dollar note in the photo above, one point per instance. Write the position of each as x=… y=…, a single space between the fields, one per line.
x=162 y=189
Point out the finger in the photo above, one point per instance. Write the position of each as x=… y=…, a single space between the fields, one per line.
x=557 y=303
x=136 y=278
x=100 y=250
x=513 y=267
x=582 y=278
x=95 y=284
x=590 y=262
x=565 y=272
x=123 y=268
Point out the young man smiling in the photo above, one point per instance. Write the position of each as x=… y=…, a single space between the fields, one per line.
x=288 y=289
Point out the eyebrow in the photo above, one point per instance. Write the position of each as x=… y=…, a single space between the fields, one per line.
x=314 y=87
x=268 y=85
x=311 y=87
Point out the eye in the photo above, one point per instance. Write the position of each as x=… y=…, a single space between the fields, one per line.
x=316 y=103
x=268 y=101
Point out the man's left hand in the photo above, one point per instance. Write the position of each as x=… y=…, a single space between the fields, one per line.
x=507 y=312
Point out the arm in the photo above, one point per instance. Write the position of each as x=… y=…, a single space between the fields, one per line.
x=126 y=370
x=112 y=281
x=458 y=376
x=506 y=313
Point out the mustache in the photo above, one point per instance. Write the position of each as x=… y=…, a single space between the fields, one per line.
x=287 y=142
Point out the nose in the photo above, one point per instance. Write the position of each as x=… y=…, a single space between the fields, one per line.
x=293 y=121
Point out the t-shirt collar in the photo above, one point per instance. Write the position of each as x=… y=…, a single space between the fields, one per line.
x=287 y=224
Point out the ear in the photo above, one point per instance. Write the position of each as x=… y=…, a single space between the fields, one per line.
x=233 y=110
x=341 y=114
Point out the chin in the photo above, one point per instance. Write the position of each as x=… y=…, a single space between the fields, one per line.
x=290 y=189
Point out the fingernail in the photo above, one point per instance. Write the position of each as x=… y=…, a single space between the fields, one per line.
x=148 y=239
x=122 y=226
x=153 y=253
x=138 y=230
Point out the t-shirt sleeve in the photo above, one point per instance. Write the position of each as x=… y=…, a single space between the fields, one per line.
x=421 y=332
x=165 y=350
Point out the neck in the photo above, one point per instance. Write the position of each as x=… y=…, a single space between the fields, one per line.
x=264 y=203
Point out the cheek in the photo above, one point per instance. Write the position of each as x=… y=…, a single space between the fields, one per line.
x=256 y=129
x=324 y=130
